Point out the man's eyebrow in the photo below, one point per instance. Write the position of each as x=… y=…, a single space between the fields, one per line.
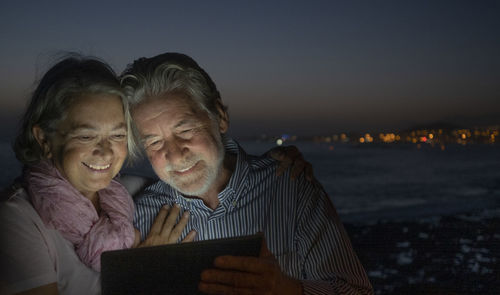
x=185 y=122
x=147 y=137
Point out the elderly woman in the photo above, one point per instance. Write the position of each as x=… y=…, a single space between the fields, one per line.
x=68 y=206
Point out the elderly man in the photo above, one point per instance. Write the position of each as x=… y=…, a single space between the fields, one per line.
x=182 y=123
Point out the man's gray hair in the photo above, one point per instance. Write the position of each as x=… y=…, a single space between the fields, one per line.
x=170 y=73
x=68 y=80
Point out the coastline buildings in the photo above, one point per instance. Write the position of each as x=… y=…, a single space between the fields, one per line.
x=433 y=136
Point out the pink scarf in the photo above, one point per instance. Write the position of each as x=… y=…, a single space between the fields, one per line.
x=65 y=209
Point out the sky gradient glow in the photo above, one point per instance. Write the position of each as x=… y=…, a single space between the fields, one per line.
x=306 y=67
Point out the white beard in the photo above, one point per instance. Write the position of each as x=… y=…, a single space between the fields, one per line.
x=208 y=175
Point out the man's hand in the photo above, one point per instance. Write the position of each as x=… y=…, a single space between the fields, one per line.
x=290 y=156
x=165 y=231
x=248 y=275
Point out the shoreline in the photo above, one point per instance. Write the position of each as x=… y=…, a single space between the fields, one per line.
x=423 y=211
x=438 y=254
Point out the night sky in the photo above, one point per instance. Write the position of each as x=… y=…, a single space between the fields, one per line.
x=298 y=67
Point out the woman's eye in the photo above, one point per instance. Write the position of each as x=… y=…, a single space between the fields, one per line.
x=119 y=136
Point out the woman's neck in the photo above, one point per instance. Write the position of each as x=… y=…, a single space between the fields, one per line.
x=94 y=198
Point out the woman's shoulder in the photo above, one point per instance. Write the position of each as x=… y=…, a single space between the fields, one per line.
x=16 y=208
x=14 y=195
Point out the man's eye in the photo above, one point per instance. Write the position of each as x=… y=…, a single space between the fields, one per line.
x=155 y=144
x=85 y=137
x=186 y=132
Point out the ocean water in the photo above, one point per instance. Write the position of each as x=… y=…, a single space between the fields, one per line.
x=372 y=182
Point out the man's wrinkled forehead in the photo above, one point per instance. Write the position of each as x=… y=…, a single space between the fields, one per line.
x=195 y=104
x=180 y=106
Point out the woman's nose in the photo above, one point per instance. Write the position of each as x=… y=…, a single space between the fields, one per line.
x=103 y=148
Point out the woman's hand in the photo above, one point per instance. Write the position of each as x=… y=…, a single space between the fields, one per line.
x=291 y=156
x=165 y=231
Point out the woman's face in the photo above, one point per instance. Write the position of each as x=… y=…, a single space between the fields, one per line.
x=90 y=144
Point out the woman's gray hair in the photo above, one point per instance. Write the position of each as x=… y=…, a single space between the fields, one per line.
x=170 y=73
x=68 y=80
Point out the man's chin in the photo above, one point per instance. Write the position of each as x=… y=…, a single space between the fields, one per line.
x=191 y=189
x=193 y=192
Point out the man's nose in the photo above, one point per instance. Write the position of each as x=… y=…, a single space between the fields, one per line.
x=174 y=150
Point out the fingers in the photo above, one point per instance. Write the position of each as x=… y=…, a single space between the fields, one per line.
x=137 y=239
x=242 y=263
x=159 y=220
x=282 y=167
x=290 y=156
x=170 y=222
x=232 y=278
x=297 y=168
x=165 y=230
x=177 y=230
x=278 y=154
x=240 y=275
x=225 y=290
x=264 y=251
x=190 y=236
x=291 y=151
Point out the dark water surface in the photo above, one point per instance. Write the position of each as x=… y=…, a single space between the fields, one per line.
x=368 y=182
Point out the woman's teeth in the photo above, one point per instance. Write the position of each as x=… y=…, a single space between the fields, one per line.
x=98 y=167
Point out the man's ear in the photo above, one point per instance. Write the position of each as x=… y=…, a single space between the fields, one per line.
x=223 y=117
x=42 y=140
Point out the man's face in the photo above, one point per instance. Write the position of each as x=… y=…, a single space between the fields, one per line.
x=183 y=144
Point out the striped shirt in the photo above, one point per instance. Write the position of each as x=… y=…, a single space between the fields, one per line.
x=299 y=222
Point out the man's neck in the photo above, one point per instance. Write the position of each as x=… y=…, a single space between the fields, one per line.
x=211 y=197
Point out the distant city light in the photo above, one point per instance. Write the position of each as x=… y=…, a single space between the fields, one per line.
x=435 y=138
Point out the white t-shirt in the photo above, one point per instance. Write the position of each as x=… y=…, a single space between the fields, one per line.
x=32 y=255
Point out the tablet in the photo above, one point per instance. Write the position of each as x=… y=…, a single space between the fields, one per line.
x=168 y=269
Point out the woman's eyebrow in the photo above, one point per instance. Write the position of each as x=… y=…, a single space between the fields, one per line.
x=89 y=127
x=121 y=125
x=82 y=127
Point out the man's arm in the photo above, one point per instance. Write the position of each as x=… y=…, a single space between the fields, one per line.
x=330 y=264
